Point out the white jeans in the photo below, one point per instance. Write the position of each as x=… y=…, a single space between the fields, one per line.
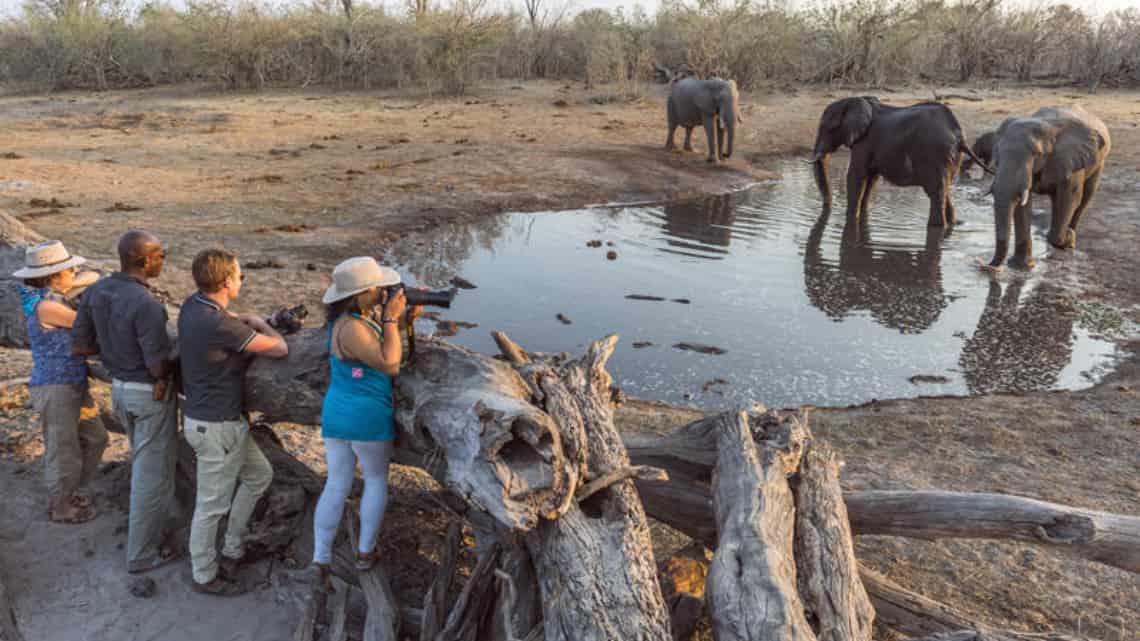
x=341 y=458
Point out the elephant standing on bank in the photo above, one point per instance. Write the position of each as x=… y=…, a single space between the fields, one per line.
x=1059 y=152
x=920 y=145
x=712 y=103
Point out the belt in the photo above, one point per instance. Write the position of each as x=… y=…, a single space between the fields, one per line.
x=144 y=387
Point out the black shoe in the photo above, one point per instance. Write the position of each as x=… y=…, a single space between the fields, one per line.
x=220 y=586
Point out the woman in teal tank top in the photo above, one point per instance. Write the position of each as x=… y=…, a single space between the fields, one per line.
x=357 y=421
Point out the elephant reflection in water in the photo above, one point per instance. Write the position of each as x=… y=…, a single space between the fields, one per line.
x=901 y=288
x=1019 y=346
x=707 y=221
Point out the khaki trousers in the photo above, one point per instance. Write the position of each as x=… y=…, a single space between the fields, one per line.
x=227 y=457
x=74 y=436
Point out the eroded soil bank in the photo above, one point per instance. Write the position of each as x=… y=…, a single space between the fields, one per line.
x=362 y=169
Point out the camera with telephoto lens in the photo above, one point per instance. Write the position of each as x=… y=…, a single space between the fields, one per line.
x=437 y=298
x=288 y=320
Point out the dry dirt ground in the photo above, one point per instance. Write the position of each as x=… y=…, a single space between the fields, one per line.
x=360 y=169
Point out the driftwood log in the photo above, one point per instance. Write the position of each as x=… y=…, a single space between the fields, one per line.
x=688 y=455
x=1110 y=539
x=14 y=238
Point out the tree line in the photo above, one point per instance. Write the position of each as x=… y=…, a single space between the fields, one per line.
x=449 y=46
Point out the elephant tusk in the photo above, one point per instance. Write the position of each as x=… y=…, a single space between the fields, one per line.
x=1025 y=198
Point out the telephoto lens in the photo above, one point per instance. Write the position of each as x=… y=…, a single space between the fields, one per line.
x=438 y=298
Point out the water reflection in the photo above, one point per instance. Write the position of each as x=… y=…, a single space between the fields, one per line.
x=900 y=287
x=1019 y=346
x=806 y=308
x=707 y=221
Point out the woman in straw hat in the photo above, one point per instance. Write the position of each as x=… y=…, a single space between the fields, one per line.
x=74 y=437
x=357 y=420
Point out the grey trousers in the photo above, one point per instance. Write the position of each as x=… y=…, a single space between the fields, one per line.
x=74 y=437
x=151 y=427
x=227 y=457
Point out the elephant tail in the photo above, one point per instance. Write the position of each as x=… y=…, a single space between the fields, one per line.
x=970 y=152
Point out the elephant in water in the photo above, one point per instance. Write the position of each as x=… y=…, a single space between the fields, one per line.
x=713 y=103
x=901 y=288
x=1057 y=152
x=983 y=149
x=920 y=145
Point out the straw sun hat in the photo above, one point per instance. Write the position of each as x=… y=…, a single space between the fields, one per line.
x=356 y=275
x=47 y=258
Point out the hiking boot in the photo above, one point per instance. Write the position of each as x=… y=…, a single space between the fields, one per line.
x=220 y=586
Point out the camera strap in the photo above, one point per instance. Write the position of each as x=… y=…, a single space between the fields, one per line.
x=410 y=330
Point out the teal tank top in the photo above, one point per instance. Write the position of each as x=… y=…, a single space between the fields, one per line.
x=358 y=403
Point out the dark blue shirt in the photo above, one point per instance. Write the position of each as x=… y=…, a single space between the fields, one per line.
x=121 y=317
x=212 y=346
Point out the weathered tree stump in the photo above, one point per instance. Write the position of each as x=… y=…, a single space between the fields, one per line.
x=785 y=565
x=751 y=591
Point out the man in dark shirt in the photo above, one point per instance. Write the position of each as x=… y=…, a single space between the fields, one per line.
x=216 y=346
x=120 y=320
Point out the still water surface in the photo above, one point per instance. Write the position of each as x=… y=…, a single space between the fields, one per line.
x=808 y=309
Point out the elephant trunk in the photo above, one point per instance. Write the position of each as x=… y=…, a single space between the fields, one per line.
x=730 y=118
x=1010 y=190
x=820 y=164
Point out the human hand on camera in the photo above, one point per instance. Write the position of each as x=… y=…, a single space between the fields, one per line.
x=395 y=305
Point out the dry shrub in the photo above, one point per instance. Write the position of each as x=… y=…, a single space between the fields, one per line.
x=450 y=46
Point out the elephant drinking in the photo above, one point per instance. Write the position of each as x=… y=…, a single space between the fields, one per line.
x=1059 y=152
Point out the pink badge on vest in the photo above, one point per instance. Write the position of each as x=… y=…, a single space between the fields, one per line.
x=358 y=372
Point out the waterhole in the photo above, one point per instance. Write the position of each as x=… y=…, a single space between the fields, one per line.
x=757 y=295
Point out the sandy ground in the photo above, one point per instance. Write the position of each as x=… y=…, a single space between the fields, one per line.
x=205 y=168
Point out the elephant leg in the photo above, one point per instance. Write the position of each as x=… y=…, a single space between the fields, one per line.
x=1091 y=185
x=856 y=187
x=1066 y=199
x=1023 y=238
x=720 y=138
x=937 y=206
x=710 y=133
x=688 y=139
x=951 y=213
x=868 y=189
x=669 y=144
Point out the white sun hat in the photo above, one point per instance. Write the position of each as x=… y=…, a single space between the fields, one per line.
x=47 y=258
x=356 y=275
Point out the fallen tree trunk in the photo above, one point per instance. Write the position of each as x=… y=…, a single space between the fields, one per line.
x=684 y=502
x=912 y=613
x=14 y=238
x=1110 y=539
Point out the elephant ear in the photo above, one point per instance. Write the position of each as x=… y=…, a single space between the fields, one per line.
x=1077 y=147
x=857 y=119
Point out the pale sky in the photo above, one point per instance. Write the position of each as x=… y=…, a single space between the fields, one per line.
x=12 y=7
